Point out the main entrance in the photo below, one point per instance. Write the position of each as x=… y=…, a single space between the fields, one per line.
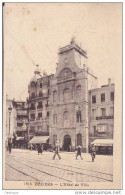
x=67 y=143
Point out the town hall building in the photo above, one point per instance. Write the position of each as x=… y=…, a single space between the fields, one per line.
x=59 y=104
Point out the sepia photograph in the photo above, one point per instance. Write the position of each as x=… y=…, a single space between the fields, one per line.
x=62 y=96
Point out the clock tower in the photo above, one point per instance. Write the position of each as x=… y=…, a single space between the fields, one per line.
x=69 y=99
x=71 y=56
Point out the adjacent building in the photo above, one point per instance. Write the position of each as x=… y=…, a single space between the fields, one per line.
x=16 y=119
x=101 y=113
x=21 y=121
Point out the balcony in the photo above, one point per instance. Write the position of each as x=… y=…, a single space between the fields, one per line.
x=39 y=118
x=39 y=107
x=104 y=117
x=21 y=112
x=19 y=120
x=32 y=119
x=32 y=98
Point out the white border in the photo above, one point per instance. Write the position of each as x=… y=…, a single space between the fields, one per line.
x=55 y=192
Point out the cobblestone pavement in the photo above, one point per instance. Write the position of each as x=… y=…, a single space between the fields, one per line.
x=25 y=165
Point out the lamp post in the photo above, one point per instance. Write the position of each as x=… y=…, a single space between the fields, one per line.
x=10 y=110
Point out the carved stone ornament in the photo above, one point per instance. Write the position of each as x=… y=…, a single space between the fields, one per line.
x=65 y=74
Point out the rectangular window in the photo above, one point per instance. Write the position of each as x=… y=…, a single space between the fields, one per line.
x=32 y=128
x=19 y=124
x=55 y=119
x=102 y=128
x=47 y=105
x=103 y=97
x=40 y=85
x=32 y=106
x=112 y=96
x=112 y=111
x=103 y=112
x=93 y=99
x=40 y=115
x=47 y=114
x=32 y=116
x=40 y=105
x=78 y=117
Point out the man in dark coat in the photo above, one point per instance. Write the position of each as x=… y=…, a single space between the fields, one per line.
x=56 y=152
x=79 y=152
x=40 y=149
x=93 y=152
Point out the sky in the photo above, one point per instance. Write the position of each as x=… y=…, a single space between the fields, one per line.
x=33 y=32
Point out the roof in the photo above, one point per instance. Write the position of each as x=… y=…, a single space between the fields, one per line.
x=103 y=88
x=103 y=142
x=39 y=139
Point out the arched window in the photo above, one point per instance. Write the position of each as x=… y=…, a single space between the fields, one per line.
x=78 y=116
x=54 y=96
x=66 y=115
x=78 y=91
x=66 y=94
x=79 y=139
x=32 y=95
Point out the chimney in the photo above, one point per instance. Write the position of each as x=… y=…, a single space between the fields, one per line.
x=109 y=81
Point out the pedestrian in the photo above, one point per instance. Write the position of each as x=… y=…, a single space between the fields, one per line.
x=79 y=152
x=40 y=148
x=56 y=152
x=93 y=152
x=9 y=145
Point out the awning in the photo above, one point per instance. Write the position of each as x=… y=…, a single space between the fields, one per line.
x=103 y=142
x=39 y=139
x=20 y=138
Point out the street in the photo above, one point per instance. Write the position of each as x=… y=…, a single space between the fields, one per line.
x=26 y=165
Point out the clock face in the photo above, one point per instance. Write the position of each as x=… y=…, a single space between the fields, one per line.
x=66 y=61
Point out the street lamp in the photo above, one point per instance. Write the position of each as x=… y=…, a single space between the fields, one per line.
x=10 y=110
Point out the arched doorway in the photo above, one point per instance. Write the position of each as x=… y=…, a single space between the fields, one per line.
x=67 y=143
x=79 y=139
